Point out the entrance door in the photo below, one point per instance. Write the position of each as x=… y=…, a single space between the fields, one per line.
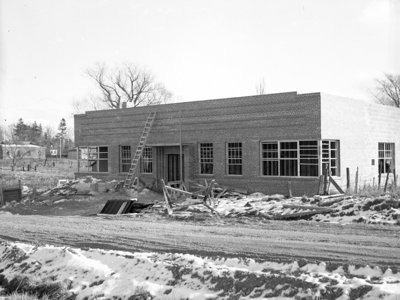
x=174 y=167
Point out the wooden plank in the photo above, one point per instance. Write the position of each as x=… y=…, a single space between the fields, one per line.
x=386 y=181
x=336 y=185
x=168 y=203
x=290 y=189
x=356 y=183
x=309 y=207
x=122 y=207
x=321 y=185
x=335 y=200
x=301 y=214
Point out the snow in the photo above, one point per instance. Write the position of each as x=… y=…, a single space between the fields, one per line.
x=99 y=273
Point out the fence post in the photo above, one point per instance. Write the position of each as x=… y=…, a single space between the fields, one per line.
x=290 y=189
x=356 y=183
x=326 y=180
x=394 y=178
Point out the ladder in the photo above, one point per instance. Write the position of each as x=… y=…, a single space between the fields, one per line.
x=139 y=150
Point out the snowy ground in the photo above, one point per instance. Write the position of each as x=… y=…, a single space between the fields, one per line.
x=100 y=274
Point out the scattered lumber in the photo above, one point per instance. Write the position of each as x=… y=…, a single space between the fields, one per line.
x=334 y=200
x=167 y=190
x=301 y=214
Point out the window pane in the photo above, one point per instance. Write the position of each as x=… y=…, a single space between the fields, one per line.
x=234 y=158
x=309 y=170
x=270 y=168
x=206 y=158
x=288 y=167
x=147 y=160
x=103 y=165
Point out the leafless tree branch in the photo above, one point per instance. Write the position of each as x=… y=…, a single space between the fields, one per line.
x=388 y=90
x=127 y=83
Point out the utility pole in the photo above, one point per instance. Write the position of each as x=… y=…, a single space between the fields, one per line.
x=180 y=146
x=60 y=145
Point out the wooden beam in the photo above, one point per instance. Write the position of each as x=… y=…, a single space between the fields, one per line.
x=309 y=207
x=168 y=203
x=336 y=185
x=302 y=214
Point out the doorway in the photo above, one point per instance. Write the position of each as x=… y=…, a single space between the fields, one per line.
x=174 y=173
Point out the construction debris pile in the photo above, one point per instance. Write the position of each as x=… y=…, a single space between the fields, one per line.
x=209 y=198
x=80 y=187
x=338 y=208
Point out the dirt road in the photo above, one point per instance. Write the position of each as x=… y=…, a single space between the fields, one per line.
x=278 y=240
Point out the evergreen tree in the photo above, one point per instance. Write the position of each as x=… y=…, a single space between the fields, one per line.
x=21 y=131
x=62 y=128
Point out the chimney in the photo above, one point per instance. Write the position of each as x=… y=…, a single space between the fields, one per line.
x=123 y=104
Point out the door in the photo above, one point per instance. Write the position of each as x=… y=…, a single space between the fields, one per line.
x=174 y=167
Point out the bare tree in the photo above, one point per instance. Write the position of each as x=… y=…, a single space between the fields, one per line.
x=127 y=83
x=12 y=152
x=260 y=87
x=388 y=90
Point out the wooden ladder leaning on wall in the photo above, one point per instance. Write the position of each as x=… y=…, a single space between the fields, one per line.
x=129 y=180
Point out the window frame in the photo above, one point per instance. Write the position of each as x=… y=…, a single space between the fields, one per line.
x=207 y=160
x=387 y=147
x=227 y=161
x=300 y=156
x=330 y=158
x=125 y=160
x=146 y=161
x=96 y=158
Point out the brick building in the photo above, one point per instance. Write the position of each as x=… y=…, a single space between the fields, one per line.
x=258 y=143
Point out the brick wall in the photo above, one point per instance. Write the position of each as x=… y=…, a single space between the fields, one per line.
x=250 y=120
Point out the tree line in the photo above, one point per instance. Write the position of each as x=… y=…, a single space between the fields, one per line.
x=33 y=133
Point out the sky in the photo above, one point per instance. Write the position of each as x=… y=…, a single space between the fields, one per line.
x=199 y=50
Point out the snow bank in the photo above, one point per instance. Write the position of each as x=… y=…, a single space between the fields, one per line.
x=100 y=274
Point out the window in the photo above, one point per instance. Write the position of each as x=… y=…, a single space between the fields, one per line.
x=288 y=158
x=330 y=156
x=125 y=158
x=96 y=158
x=234 y=158
x=385 y=157
x=147 y=160
x=206 y=158
x=297 y=158
x=270 y=159
x=308 y=158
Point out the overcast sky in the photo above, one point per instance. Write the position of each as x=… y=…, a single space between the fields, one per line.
x=199 y=49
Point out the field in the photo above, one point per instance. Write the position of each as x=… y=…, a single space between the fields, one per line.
x=61 y=248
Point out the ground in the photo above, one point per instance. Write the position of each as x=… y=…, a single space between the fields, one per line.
x=64 y=249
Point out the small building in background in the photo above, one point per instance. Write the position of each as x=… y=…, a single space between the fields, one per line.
x=22 y=151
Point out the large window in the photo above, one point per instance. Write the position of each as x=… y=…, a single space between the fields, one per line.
x=125 y=158
x=298 y=158
x=206 y=158
x=385 y=157
x=147 y=160
x=234 y=156
x=94 y=159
